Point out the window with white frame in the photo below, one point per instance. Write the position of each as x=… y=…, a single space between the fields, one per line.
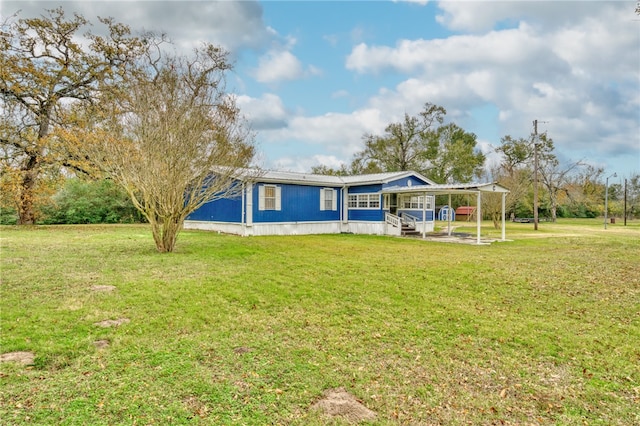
x=416 y=202
x=269 y=197
x=364 y=201
x=328 y=199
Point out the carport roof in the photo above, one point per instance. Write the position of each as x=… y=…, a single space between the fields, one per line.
x=459 y=188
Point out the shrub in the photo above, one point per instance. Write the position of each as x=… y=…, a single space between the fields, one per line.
x=88 y=202
x=8 y=216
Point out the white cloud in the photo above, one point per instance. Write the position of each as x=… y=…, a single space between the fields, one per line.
x=478 y=16
x=281 y=65
x=231 y=24
x=507 y=48
x=266 y=112
x=581 y=77
x=305 y=163
x=336 y=133
x=278 y=66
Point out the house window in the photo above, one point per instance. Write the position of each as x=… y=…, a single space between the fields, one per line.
x=364 y=201
x=328 y=199
x=374 y=201
x=269 y=197
x=416 y=202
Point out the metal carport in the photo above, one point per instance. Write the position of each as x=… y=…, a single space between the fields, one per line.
x=449 y=189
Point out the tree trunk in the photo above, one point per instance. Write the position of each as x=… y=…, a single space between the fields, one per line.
x=26 y=213
x=165 y=233
x=496 y=220
x=554 y=207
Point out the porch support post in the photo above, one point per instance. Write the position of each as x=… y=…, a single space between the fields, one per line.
x=478 y=216
x=504 y=223
x=424 y=215
x=449 y=217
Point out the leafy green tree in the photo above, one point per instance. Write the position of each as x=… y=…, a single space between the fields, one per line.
x=423 y=144
x=403 y=146
x=87 y=201
x=453 y=156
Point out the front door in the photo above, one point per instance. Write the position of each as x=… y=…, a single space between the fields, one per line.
x=391 y=201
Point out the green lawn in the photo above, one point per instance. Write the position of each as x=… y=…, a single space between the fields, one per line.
x=544 y=329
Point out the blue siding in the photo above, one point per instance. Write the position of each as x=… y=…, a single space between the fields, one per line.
x=299 y=203
x=222 y=210
x=364 y=189
x=368 y=215
x=417 y=213
x=403 y=182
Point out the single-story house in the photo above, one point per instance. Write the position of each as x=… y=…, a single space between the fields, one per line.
x=288 y=203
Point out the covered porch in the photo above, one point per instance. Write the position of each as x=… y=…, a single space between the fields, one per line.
x=449 y=189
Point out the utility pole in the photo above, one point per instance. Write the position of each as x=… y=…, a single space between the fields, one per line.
x=535 y=175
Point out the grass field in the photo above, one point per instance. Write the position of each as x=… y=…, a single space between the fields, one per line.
x=544 y=329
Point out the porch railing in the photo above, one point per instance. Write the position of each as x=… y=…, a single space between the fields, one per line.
x=409 y=220
x=392 y=220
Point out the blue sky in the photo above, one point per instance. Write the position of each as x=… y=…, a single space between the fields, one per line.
x=313 y=77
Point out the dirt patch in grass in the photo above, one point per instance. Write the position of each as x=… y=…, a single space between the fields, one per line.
x=25 y=358
x=196 y=406
x=340 y=403
x=101 y=344
x=241 y=350
x=112 y=323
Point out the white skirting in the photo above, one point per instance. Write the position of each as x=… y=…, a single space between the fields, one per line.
x=296 y=228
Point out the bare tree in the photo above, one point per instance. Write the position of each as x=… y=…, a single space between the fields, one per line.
x=517 y=180
x=173 y=138
x=514 y=173
x=555 y=179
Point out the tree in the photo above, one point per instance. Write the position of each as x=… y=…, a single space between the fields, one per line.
x=452 y=155
x=173 y=139
x=554 y=178
x=404 y=144
x=422 y=144
x=632 y=196
x=43 y=67
x=90 y=201
x=329 y=171
x=514 y=173
x=586 y=193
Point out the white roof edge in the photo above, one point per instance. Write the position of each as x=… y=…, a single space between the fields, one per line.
x=319 y=180
x=460 y=187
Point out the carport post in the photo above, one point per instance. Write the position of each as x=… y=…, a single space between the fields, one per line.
x=449 y=217
x=478 y=215
x=424 y=215
x=504 y=225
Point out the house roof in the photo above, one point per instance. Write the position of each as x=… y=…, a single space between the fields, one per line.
x=369 y=179
x=314 y=179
